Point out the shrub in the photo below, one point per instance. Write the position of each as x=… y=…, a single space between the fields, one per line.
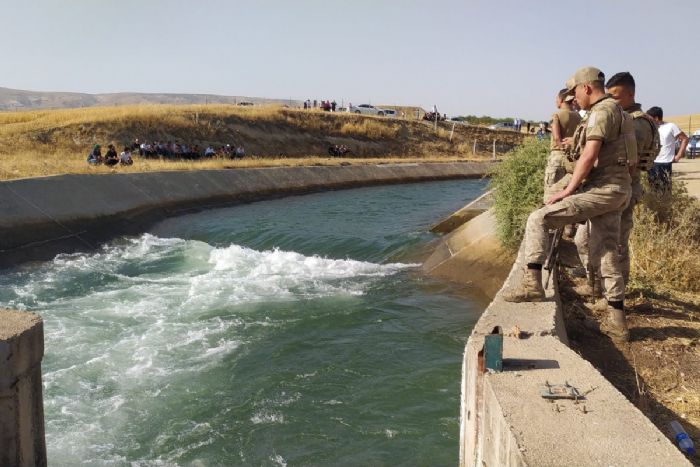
x=518 y=183
x=665 y=242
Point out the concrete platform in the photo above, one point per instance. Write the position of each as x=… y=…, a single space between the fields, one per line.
x=464 y=215
x=506 y=422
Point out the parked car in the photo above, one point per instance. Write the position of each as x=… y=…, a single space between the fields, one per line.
x=390 y=113
x=692 y=150
x=502 y=126
x=366 y=109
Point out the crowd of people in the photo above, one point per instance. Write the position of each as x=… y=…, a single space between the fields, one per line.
x=162 y=150
x=326 y=106
x=174 y=150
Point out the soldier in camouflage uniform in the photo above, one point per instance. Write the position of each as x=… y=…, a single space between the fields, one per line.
x=622 y=88
x=564 y=122
x=599 y=190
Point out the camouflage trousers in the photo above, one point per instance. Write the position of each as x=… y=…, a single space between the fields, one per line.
x=602 y=206
x=582 y=238
x=554 y=173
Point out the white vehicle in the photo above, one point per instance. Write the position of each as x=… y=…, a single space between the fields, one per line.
x=390 y=113
x=502 y=126
x=692 y=150
x=366 y=109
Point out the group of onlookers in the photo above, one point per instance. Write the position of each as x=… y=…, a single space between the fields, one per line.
x=174 y=150
x=111 y=158
x=326 y=106
x=158 y=149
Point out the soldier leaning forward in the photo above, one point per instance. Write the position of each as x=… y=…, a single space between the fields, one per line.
x=599 y=191
x=564 y=122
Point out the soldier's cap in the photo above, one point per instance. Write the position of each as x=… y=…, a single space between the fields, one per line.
x=584 y=75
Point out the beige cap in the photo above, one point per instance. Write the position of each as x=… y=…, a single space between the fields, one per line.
x=584 y=75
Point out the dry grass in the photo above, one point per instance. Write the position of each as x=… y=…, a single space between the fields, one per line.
x=48 y=142
x=665 y=243
x=688 y=123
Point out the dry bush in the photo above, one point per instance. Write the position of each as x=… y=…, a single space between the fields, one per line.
x=665 y=242
x=372 y=128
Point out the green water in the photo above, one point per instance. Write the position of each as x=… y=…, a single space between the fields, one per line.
x=297 y=331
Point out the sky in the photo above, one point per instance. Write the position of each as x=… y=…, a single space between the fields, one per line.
x=469 y=57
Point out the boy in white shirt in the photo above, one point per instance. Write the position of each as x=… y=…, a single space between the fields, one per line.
x=660 y=174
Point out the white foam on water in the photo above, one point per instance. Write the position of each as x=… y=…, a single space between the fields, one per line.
x=124 y=324
x=267 y=417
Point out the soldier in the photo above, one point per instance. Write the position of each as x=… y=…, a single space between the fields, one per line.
x=599 y=191
x=622 y=88
x=564 y=122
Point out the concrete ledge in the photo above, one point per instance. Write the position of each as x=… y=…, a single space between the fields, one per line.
x=41 y=217
x=472 y=255
x=21 y=405
x=505 y=421
x=464 y=215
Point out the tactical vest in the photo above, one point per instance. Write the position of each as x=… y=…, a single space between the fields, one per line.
x=624 y=145
x=647 y=156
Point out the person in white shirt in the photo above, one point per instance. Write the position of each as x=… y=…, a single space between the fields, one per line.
x=125 y=157
x=660 y=174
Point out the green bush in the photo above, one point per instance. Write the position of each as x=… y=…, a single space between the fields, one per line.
x=518 y=184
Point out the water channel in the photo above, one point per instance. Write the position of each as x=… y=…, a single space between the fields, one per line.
x=294 y=331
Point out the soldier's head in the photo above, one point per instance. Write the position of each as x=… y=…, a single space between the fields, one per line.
x=621 y=88
x=586 y=85
x=564 y=100
x=656 y=113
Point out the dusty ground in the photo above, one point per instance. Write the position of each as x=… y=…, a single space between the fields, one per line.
x=659 y=370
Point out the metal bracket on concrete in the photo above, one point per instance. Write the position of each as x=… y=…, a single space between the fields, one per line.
x=560 y=391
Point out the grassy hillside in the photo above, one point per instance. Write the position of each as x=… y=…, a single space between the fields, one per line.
x=57 y=141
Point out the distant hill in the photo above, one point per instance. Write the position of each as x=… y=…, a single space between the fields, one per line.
x=17 y=99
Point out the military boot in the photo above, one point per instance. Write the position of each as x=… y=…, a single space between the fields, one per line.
x=591 y=290
x=615 y=325
x=528 y=290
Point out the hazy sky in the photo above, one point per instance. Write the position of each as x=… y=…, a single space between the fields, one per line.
x=501 y=58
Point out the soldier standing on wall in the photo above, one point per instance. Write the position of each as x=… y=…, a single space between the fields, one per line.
x=599 y=191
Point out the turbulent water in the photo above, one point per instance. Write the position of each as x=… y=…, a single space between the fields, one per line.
x=296 y=331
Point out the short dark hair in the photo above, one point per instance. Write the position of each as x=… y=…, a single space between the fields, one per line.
x=656 y=112
x=624 y=79
x=563 y=93
x=596 y=85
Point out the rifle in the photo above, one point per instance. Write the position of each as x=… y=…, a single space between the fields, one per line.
x=553 y=254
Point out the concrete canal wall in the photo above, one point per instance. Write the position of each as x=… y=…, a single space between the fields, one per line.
x=41 y=217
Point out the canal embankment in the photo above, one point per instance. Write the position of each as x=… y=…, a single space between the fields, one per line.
x=40 y=217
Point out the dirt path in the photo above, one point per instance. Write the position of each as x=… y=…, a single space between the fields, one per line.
x=688 y=170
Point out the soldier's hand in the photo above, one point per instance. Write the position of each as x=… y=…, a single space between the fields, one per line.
x=558 y=197
x=567 y=141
